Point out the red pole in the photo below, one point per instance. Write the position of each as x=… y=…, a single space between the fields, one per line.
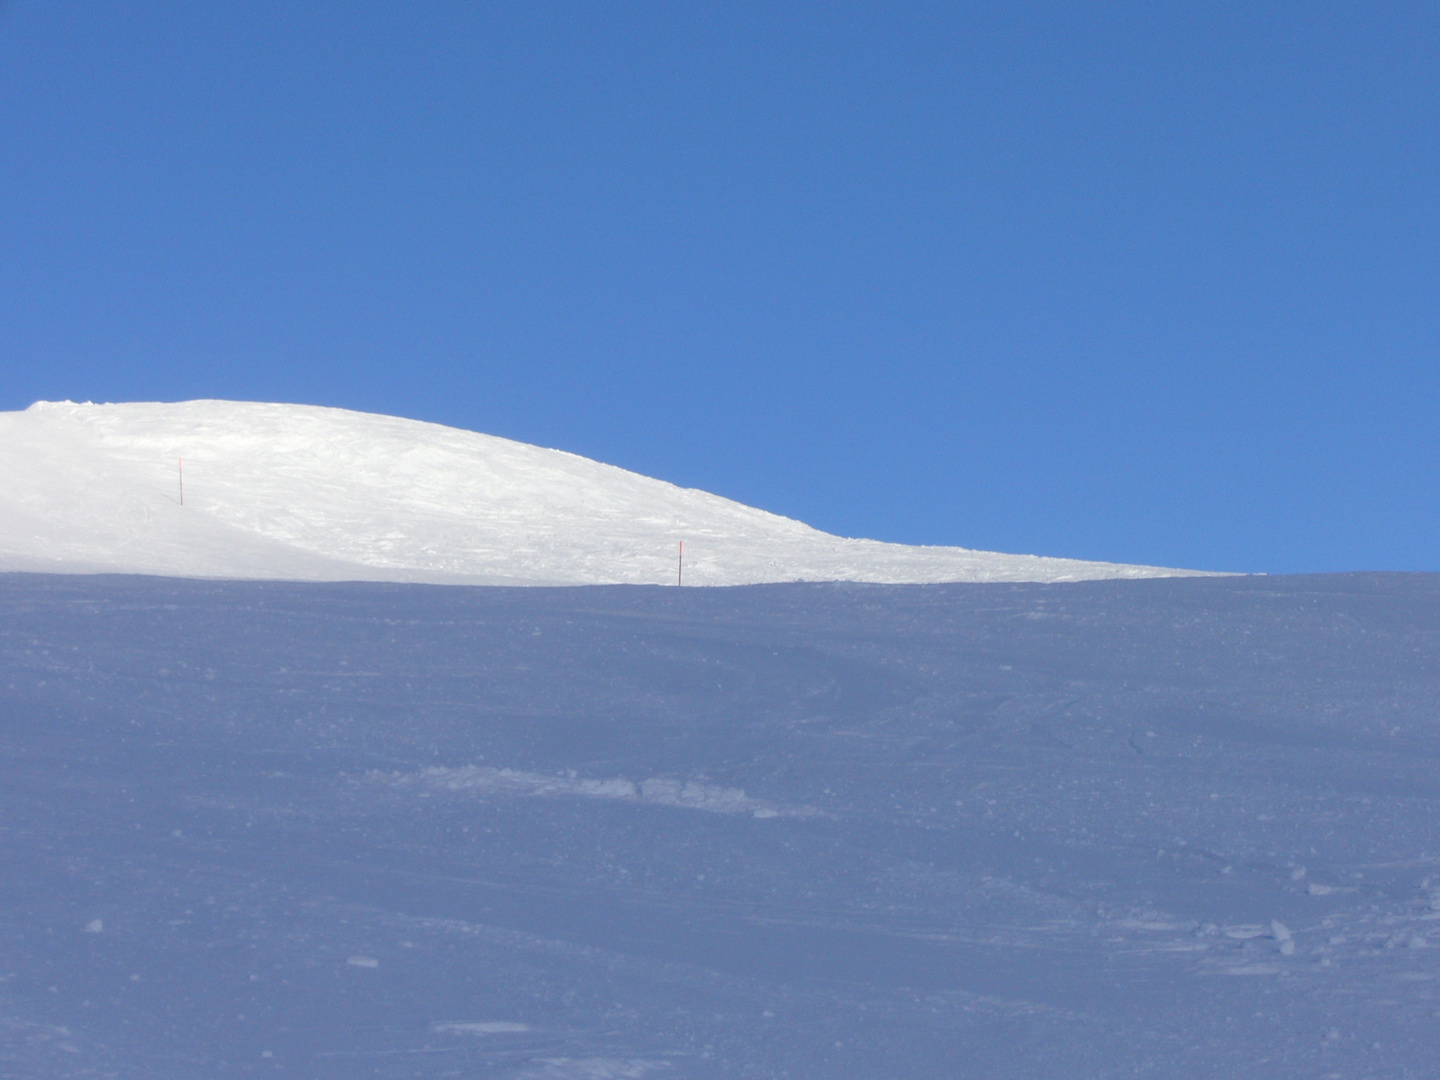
x=180 y=468
x=680 y=566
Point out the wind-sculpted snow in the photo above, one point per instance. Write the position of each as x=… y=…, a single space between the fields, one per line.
x=242 y=490
x=1180 y=829
x=685 y=794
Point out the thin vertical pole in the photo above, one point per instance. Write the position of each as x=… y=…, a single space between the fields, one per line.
x=180 y=468
x=680 y=566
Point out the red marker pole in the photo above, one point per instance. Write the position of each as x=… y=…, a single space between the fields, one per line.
x=180 y=469
x=680 y=566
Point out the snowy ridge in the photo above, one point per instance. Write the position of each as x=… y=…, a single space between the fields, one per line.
x=309 y=493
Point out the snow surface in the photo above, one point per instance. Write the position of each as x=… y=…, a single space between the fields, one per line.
x=1180 y=829
x=299 y=492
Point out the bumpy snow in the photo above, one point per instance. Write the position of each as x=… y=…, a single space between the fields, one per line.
x=1129 y=830
x=307 y=493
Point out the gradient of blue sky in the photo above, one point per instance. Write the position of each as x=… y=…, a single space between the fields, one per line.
x=1143 y=282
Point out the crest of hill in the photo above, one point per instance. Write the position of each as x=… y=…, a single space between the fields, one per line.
x=308 y=493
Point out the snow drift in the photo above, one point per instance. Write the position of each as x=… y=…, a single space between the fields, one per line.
x=308 y=493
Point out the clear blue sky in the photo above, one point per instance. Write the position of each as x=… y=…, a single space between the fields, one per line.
x=1144 y=282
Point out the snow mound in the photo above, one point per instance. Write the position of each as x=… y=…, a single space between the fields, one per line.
x=319 y=494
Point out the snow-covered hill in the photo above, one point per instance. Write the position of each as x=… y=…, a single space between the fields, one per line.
x=300 y=492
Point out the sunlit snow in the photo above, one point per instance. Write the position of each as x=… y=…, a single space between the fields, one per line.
x=300 y=492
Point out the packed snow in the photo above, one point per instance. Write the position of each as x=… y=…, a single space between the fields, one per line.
x=245 y=490
x=657 y=790
x=1180 y=829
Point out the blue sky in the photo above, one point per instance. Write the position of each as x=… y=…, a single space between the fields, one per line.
x=1143 y=282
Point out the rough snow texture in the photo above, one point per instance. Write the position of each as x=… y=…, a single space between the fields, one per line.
x=298 y=492
x=1144 y=830
x=658 y=791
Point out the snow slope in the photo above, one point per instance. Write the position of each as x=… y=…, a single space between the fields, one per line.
x=1184 y=829
x=300 y=492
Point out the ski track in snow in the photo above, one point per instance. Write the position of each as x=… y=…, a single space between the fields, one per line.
x=308 y=493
